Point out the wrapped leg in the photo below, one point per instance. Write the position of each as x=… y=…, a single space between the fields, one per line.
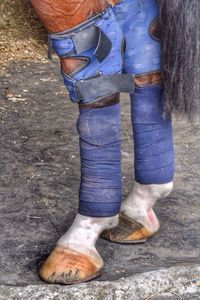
x=90 y=51
x=90 y=48
x=153 y=146
x=91 y=62
x=152 y=132
x=100 y=141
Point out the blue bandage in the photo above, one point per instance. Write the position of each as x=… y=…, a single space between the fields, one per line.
x=100 y=136
x=153 y=143
x=142 y=53
x=99 y=42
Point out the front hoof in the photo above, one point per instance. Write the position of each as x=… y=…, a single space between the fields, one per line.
x=66 y=266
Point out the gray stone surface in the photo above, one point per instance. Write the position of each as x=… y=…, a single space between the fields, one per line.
x=172 y=284
x=39 y=178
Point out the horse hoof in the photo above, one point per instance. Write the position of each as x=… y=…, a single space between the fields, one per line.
x=127 y=232
x=66 y=266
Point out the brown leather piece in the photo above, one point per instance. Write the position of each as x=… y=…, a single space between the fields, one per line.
x=108 y=101
x=66 y=266
x=155 y=29
x=70 y=65
x=148 y=79
x=60 y=15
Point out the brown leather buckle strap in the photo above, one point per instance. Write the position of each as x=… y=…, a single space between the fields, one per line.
x=153 y=78
x=108 y=101
x=155 y=29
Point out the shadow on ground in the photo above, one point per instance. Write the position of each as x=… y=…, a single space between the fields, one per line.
x=39 y=179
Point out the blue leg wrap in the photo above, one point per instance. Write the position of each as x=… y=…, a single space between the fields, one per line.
x=142 y=53
x=153 y=142
x=100 y=189
x=99 y=43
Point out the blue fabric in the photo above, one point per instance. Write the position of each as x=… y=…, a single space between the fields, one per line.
x=153 y=142
x=99 y=129
x=152 y=134
x=112 y=64
x=142 y=53
x=100 y=139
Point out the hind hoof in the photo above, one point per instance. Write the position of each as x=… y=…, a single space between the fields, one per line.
x=127 y=232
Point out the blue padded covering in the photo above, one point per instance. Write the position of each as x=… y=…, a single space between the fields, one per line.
x=142 y=53
x=99 y=129
x=153 y=142
x=112 y=64
x=100 y=136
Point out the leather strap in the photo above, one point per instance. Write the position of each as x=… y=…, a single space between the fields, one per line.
x=107 y=101
x=153 y=78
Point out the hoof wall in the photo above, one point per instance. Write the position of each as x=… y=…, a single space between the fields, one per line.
x=127 y=232
x=66 y=266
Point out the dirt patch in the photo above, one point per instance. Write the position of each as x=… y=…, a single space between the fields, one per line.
x=22 y=35
x=39 y=182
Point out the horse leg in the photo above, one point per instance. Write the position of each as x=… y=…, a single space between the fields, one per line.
x=152 y=132
x=89 y=41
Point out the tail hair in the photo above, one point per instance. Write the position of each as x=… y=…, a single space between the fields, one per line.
x=180 y=42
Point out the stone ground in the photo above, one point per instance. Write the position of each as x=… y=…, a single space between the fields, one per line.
x=39 y=178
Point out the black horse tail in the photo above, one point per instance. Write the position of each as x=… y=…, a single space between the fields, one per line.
x=180 y=42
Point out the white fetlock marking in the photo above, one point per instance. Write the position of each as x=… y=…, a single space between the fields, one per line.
x=138 y=205
x=84 y=232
